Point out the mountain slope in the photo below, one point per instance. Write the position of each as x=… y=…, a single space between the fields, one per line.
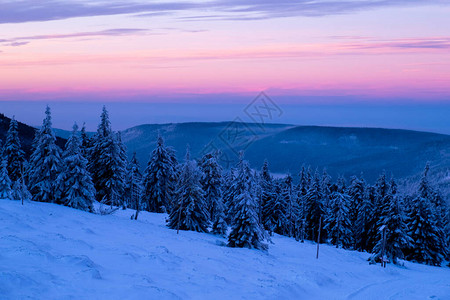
x=54 y=252
x=26 y=134
x=345 y=151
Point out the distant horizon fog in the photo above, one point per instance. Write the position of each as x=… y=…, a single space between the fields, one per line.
x=420 y=116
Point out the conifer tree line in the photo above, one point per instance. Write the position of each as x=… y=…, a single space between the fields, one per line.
x=246 y=206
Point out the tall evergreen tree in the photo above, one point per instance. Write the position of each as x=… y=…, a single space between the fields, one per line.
x=75 y=187
x=314 y=209
x=107 y=164
x=211 y=181
x=228 y=179
x=447 y=233
x=134 y=184
x=397 y=238
x=189 y=210
x=98 y=155
x=121 y=167
x=13 y=152
x=236 y=187
x=246 y=230
x=5 y=182
x=337 y=222
x=219 y=225
x=288 y=194
x=364 y=221
x=302 y=190
x=380 y=202
x=267 y=195
x=276 y=210
x=325 y=186
x=116 y=160
x=45 y=163
x=427 y=247
x=160 y=178
x=396 y=231
x=427 y=243
x=356 y=191
x=439 y=210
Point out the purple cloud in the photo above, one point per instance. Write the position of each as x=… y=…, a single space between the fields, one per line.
x=266 y=9
x=17 y=44
x=20 y=41
x=437 y=43
x=18 y=11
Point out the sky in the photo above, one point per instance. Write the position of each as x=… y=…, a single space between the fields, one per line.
x=215 y=57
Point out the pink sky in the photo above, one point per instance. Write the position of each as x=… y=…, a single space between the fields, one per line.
x=156 y=48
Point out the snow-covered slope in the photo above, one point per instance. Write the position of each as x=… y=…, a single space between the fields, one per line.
x=54 y=252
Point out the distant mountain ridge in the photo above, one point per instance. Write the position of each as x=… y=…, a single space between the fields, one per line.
x=341 y=150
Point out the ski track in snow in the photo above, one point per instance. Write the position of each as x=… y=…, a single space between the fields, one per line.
x=49 y=251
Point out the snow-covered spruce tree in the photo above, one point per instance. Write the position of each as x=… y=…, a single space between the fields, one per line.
x=337 y=222
x=427 y=242
x=246 y=229
x=276 y=210
x=325 y=186
x=5 y=182
x=302 y=190
x=122 y=162
x=364 y=220
x=100 y=172
x=440 y=208
x=13 y=152
x=356 y=191
x=189 y=210
x=288 y=194
x=447 y=234
x=115 y=184
x=258 y=194
x=211 y=182
x=106 y=164
x=382 y=195
x=427 y=247
x=160 y=178
x=134 y=188
x=75 y=187
x=45 y=163
x=219 y=225
x=397 y=239
x=380 y=202
x=314 y=209
x=267 y=194
x=228 y=178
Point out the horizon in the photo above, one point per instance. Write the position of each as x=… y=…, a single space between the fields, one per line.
x=417 y=117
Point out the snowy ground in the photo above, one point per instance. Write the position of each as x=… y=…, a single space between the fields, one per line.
x=54 y=252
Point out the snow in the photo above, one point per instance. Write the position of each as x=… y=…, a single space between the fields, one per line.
x=49 y=251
